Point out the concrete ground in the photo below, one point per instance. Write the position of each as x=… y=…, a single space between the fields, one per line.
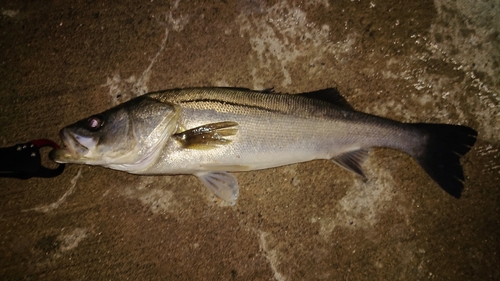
x=413 y=61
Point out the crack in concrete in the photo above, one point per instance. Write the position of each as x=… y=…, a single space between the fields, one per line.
x=71 y=240
x=270 y=255
x=118 y=87
x=157 y=200
x=62 y=199
x=278 y=38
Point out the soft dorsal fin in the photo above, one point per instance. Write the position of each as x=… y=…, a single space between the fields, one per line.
x=330 y=95
x=265 y=91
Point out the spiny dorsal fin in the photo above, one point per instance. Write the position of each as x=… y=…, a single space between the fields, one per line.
x=352 y=161
x=330 y=95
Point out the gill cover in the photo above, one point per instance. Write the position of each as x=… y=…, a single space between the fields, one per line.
x=126 y=137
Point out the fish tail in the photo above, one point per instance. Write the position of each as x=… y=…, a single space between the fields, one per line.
x=440 y=156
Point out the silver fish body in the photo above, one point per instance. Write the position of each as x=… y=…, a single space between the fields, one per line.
x=209 y=132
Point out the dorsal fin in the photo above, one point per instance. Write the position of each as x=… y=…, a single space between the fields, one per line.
x=329 y=95
x=265 y=91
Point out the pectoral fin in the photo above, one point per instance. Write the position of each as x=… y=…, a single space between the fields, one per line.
x=352 y=161
x=207 y=136
x=223 y=184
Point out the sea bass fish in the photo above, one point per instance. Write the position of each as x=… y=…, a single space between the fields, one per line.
x=209 y=132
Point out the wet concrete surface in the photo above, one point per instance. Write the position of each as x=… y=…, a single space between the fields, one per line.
x=413 y=61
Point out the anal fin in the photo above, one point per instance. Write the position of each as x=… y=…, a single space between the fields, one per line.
x=223 y=184
x=352 y=161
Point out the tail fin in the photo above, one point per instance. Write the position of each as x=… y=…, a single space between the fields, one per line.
x=440 y=157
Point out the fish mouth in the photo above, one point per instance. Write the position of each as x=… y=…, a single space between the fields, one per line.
x=72 y=149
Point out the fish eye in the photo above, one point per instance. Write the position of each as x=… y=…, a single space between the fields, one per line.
x=94 y=123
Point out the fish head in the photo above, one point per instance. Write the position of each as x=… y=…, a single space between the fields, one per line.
x=120 y=137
